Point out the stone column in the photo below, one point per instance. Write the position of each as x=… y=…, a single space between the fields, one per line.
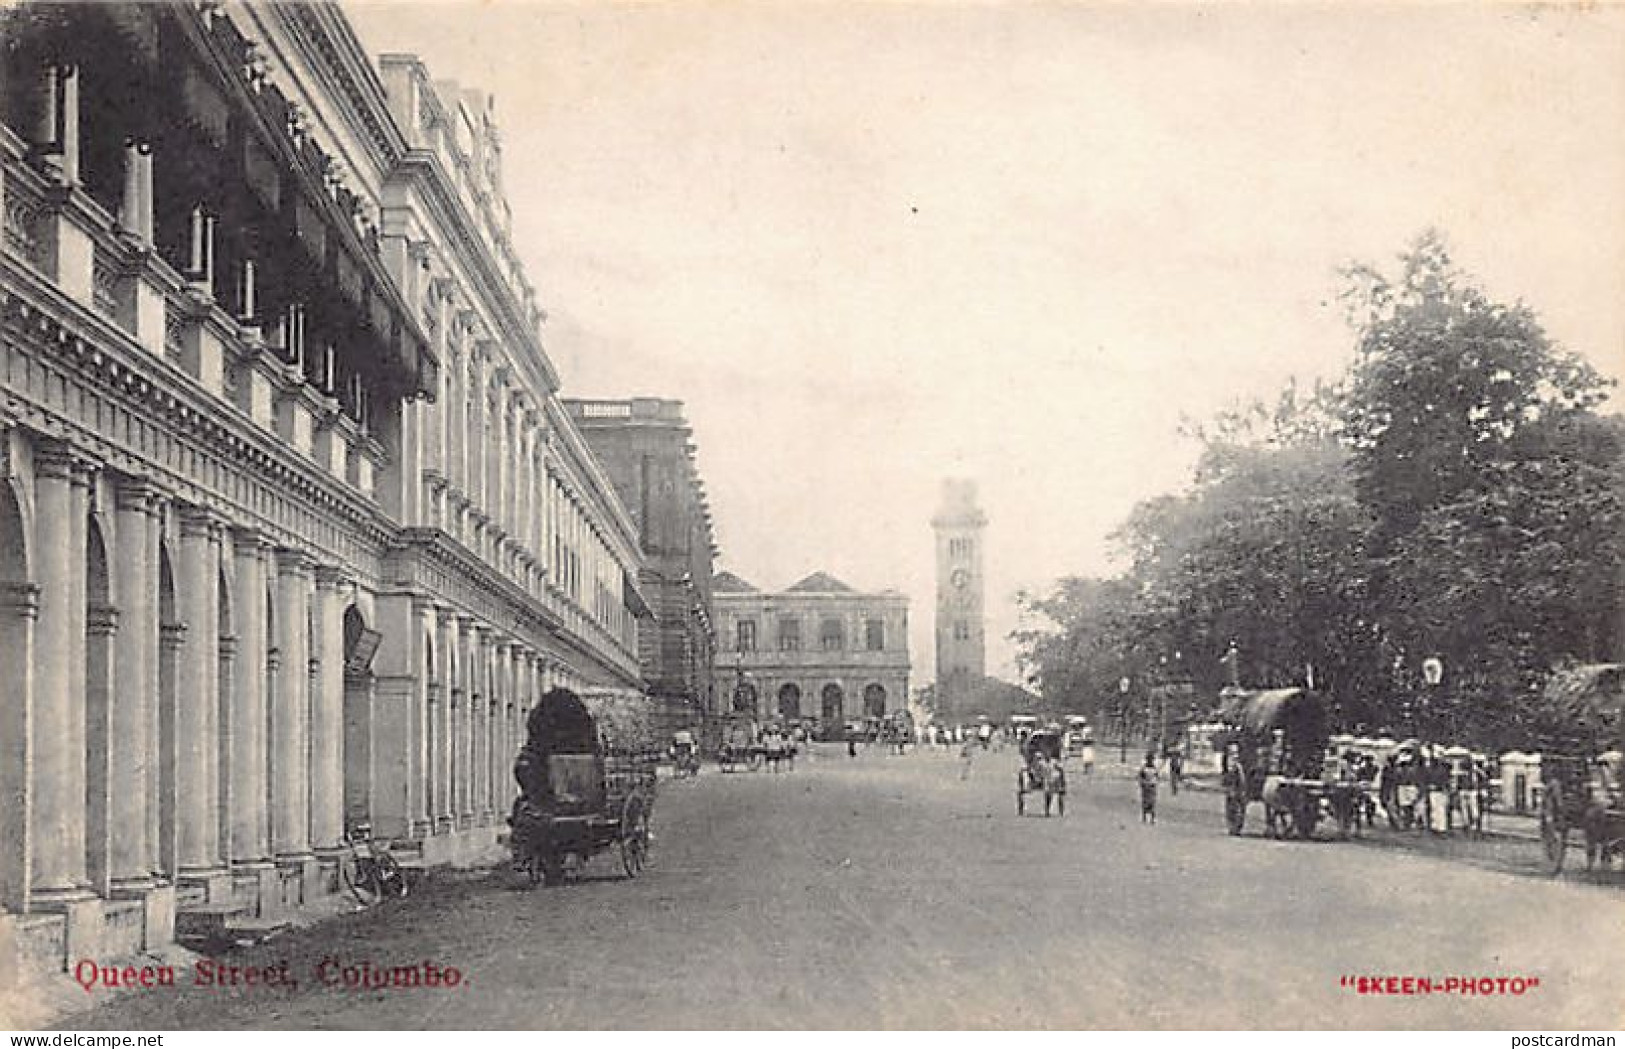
x=327 y=714
x=160 y=666
x=419 y=754
x=197 y=695
x=134 y=752
x=247 y=839
x=19 y=602
x=290 y=736
x=482 y=726
x=463 y=774
x=440 y=727
x=59 y=755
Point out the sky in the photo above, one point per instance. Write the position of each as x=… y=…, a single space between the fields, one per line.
x=872 y=246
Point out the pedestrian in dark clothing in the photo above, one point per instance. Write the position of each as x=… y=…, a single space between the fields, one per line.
x=1148 y=790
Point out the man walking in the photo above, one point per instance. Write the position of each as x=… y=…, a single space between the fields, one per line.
x=1148 y=790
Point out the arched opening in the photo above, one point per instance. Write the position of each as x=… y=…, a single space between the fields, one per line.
x=832 y=707
x=359 y=645
x=100 y=621
x=18 y=605
x=874 y=700
x=790 y=700
x=171 y=635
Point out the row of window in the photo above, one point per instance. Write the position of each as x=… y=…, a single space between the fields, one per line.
x=960 y=549
x=831 y=635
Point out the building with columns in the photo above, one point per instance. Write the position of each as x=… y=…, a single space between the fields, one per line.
x=294 y=529
x=646 y=446
x=818 y=651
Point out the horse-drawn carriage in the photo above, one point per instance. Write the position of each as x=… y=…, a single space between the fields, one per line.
x=580 y=796
x=1581 y=777
x=741 y=746
x=1274 y=747
x=1041 y=772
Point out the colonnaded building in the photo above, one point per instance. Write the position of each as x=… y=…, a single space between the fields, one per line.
x=293 y=526
x=817 y=651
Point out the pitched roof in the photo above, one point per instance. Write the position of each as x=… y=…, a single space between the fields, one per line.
x=821 y=583
x=728 y=583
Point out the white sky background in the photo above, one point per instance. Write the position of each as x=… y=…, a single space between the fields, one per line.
x=874 y=246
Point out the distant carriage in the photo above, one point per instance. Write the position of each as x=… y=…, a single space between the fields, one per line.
x=741 y=746
x=1274 y=747
x=1581 y=775
x=1041 y=772
x=583 y=796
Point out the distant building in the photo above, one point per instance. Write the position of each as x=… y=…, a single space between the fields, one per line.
x=645 y=446
x=819 y=651
x=960 y=629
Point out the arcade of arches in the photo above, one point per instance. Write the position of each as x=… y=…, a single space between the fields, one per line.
x=831 y=702
x=249 y=727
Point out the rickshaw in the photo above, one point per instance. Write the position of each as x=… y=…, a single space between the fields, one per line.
x=1274 y=751
x=685 y=753
x=1583 y=775
x=1041 y=772
x=585 y=796
x=1022 y=726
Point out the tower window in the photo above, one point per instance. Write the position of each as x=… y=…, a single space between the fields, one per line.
x=960 y=549
x=961 y=630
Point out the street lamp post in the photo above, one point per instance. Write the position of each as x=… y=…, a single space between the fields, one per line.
x=1122 y=720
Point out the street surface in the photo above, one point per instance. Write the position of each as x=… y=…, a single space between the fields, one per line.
x=883 y=892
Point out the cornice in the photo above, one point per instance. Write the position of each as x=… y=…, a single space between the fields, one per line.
x=107 y=357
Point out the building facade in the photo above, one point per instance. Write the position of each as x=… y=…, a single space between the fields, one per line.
x=646 y=447
x=818 y=651
x=961 y=638
x=293 y=527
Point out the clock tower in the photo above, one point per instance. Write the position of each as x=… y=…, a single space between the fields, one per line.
x=961 y=642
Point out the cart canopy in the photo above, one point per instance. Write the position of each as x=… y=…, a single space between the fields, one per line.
x=1586 y=705
x=1042 y=742
x=561 y=724
x=1252 y=718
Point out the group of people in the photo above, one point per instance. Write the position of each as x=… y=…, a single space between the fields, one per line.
x=780 y=746
x=1421 y=786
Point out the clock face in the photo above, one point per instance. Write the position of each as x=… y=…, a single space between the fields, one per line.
x=960 y=578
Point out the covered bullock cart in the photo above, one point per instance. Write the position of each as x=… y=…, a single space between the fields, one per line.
x=1582 y=768
x=1274 y=749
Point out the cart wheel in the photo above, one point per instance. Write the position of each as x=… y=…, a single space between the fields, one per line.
x=755 y=762
x=1554 y=831
x=634 y=836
